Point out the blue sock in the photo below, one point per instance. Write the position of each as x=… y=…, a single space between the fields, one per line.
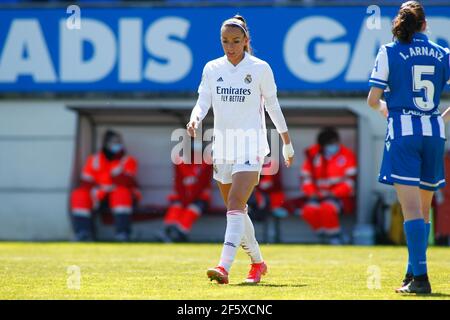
x=427 y=235
x=415 y=231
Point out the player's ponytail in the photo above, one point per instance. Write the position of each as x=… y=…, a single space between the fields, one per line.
x=238 y=21
x=409 y=20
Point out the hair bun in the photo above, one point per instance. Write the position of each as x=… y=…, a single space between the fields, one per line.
x=239 y=17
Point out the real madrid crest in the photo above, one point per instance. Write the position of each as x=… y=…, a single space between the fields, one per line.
x=248 y=79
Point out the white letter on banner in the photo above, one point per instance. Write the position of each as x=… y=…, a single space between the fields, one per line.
x=177 y=55
x=439 y=27
x=332 y=57
x=130 y=50
x=72 y=66
x=366 y=49
x=25 y=35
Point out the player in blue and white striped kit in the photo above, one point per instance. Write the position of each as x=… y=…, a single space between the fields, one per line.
x=412 y=72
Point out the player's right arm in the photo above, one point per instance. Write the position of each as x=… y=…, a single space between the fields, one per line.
x=378 y=82
x=375 y=102
x=202 y=106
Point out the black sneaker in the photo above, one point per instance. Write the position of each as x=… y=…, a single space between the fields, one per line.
x=416 y=286
x=408 y=278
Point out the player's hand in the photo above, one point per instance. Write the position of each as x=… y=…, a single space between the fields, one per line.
x=383 y=109
x=288 y=154
x=191 y=128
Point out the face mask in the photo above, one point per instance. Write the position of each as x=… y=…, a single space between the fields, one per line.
x=116 y=148
x=330 y=150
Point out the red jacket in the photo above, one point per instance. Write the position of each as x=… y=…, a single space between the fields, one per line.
x=192 y=182
x=271 y=184
x=105 y=174
x=323 y=177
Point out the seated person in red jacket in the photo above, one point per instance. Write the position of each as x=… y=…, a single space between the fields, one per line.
x=191 y=196
x=328 y=178
x=108 y=179
x=268 y=196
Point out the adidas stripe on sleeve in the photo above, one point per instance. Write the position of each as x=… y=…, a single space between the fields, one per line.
x=380 y=72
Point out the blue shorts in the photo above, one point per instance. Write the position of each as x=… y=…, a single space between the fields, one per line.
x=414 y=160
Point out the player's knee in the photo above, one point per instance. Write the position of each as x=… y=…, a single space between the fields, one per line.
x=236 y=202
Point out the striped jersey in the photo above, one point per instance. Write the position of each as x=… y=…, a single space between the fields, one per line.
x=413 y=76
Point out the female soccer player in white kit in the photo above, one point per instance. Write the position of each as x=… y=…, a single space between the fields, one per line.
x=238 y=86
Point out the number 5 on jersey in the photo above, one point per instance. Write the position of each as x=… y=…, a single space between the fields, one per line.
x=426 y=101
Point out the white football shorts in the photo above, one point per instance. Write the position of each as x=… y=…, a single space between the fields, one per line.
x=223 y=172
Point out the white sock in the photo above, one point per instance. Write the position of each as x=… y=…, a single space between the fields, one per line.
x=233 y=237
x=249 y=242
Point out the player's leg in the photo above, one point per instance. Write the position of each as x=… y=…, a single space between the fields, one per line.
x=224 y=189
x=415 y=230
x=432 y=177
x=222 y=174
x=249 y=243
x=402 y=167
x=241 y=189
x=235 y=197
x=426 y=200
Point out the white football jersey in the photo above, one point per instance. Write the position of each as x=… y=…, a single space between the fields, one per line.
x=237 y=95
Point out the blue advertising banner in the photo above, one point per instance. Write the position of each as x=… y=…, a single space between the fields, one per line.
x=165 y=49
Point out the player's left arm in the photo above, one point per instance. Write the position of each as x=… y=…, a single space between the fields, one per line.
x=269 y=92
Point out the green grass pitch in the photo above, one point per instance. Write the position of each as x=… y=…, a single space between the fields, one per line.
x=178 y=271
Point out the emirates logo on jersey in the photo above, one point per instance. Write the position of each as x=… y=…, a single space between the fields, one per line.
x=248 y=79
